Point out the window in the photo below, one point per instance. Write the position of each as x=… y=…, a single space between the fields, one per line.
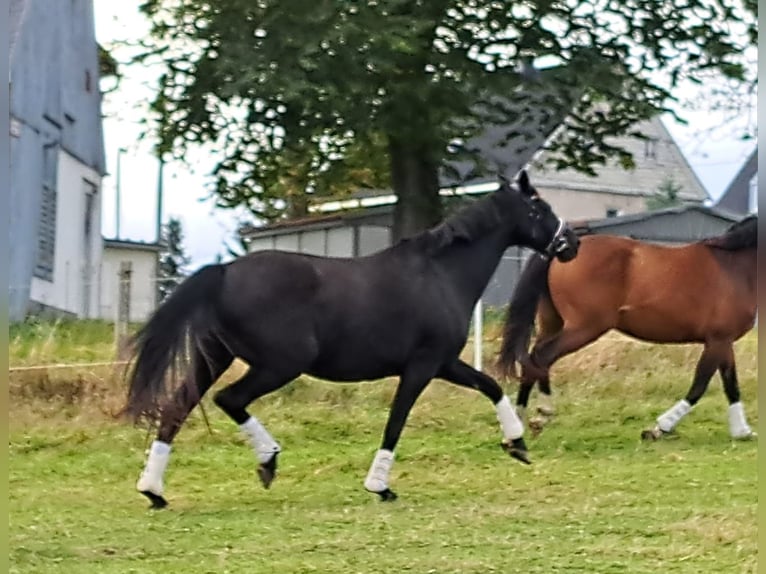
x=752 y=203
x=612 y=212
x=46 y=233
x=650 y=148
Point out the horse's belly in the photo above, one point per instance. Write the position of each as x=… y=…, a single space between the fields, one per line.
x=658 y=327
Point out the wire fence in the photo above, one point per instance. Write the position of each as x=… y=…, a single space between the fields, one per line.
x=129 y=295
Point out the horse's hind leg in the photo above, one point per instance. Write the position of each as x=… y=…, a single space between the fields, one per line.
x=738 y=426
x=710 y=360
x=235 y=398
x=207 y=366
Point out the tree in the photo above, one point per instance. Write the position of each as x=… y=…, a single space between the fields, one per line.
x=173 y=258
x=668 y=195
x=307 y=97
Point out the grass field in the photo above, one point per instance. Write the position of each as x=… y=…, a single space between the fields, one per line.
x=596 y=499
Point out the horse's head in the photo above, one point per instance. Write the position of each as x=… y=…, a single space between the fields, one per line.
x=536 y=225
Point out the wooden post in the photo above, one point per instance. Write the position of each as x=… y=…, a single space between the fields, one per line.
x=123 y=309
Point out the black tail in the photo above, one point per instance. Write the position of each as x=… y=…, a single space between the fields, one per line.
x=520 y=319
x=161 y=347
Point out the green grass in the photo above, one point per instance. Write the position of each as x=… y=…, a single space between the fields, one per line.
x=54 y=342
x=596 y=499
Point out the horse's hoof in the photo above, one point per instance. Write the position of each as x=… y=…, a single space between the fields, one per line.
x=267 y=471
x=387 y=495
x=157 y=501
x=517 y=449
x=752 y=435
x=536 y=426
x=652 y=434
x=547 y=412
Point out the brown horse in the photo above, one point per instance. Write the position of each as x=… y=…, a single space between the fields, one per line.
x=703 y=292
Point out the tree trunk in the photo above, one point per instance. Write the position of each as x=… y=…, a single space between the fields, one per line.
x=415 y=179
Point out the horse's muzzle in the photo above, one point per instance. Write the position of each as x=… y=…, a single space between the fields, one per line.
x=564 y=244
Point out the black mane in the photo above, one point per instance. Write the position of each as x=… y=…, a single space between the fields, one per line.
x=741 y=235
x=471 y=222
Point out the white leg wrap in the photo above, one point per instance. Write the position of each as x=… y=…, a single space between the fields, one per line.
x=509 y=420
x=668 y=420
x=377 y=477
x=151 y=478
x=262 y=442
x=738 y=426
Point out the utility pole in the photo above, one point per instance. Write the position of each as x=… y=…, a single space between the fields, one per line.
x=118 y=176
x=159 y=198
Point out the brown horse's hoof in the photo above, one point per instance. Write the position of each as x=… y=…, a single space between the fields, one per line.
x=157 y=501
x=536 y=426
x=752 y=435
x=517 y=449
x=547 y=412
x=655 y=433
x=267 y=471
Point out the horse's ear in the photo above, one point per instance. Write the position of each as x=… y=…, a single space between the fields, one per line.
x=524 y=185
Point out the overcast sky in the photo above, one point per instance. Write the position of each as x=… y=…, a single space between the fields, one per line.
x=715 y=159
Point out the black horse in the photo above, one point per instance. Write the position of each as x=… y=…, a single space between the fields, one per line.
x=403 y=311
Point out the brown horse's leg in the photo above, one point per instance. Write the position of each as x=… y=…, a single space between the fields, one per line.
x=544 y=355
x=738 y=426
x=545 y=407
x=712 y=356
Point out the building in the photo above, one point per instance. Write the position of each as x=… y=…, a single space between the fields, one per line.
x=616 y=191
x=361 y=224
x=140 y=261
x=57 y=159
x=741 y=197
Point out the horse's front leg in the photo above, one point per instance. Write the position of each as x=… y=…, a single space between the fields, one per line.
x=412 y=383
x=462 y=374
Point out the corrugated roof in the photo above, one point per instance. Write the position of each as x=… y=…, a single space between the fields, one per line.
x=588 y=224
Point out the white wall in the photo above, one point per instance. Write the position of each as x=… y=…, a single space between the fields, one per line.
x=142 y=282
x=373 y=238
x=340 y=242
x=73 y=277
x=333 y=242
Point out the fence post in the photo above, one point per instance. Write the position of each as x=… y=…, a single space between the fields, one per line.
x=477 y=335
x=123 y=309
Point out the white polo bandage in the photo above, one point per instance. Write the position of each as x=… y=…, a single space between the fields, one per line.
x=156 y=463
x=668 y=420
x=510 y=423
x=263 y=444
x=377 y=477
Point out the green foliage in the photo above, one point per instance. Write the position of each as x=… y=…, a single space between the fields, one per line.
x=305 y=98
x=668 y=195
x=173 y=258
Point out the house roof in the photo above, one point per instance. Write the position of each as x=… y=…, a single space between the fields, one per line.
x=736 y=197
x=656 y=159
x=132 y=245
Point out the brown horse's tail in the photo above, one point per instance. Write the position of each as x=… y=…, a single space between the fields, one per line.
x=161 y=349
x=520 y=319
